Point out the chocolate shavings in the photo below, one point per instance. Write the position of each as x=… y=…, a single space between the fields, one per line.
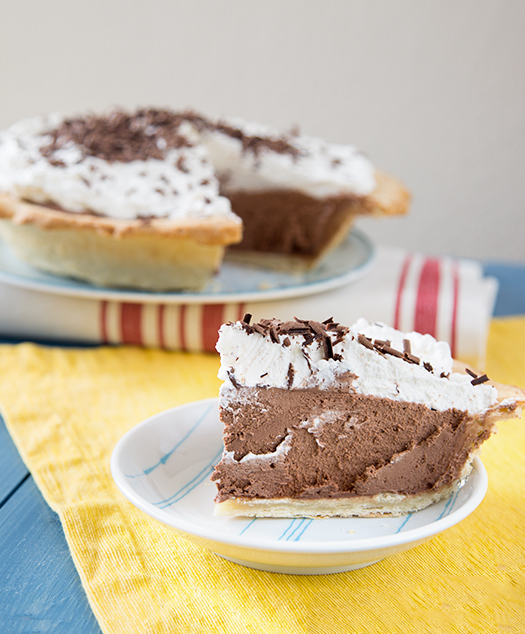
x=411 y=358
x=392 y=351
x=119 y=136
x=310 y=330
x=232 y=378
x=291 y=374
x=365 y=341
x=477 y=380
x=480 y=379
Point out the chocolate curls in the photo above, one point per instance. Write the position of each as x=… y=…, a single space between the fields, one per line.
x=120 y=137
x=310 y=330
x=477 y=380
x=385 y=347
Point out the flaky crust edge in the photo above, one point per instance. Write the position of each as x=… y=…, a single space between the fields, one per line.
x=390 y=197
x=222 y=230
x=379 y=505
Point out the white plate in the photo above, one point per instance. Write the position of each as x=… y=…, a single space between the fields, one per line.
x=163 y=467
x=235 y=282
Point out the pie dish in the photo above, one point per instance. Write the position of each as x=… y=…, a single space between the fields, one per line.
x=162 y=466
x=235 y=282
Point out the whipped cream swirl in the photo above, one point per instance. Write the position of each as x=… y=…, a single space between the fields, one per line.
x=84 y=164
x=285 y=360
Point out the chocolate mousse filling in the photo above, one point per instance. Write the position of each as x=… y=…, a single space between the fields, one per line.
x=290 y=223
x=317 y=444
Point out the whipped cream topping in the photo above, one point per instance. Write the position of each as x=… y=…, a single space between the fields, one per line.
x=253 y=157
x=251 y=357
x=172 y=182
x=174 y=166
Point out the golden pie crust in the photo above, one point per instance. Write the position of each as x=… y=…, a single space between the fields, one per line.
x=155 y=254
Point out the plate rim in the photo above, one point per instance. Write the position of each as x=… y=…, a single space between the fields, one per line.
x=300 y=547
x=122 y=295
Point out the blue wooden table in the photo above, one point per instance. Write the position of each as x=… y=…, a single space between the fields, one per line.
x=40 y=590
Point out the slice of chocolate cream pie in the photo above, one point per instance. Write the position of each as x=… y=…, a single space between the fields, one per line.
x=327 y=420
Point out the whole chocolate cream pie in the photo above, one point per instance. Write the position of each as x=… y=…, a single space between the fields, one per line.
x=126 y=200
x=327 y=420
x=151 y=199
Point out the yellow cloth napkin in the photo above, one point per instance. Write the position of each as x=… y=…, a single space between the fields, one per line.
x=66 y=409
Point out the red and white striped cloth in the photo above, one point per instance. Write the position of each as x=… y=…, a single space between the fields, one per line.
x=448 y=298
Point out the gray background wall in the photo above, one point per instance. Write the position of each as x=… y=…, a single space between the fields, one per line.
x=432 y=90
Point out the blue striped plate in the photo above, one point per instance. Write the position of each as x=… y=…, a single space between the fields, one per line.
x=163 y=466
x=235 y=282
